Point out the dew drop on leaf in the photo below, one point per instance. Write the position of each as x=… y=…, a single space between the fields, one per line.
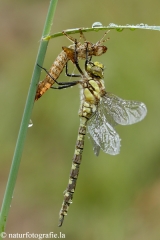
x=97 y=25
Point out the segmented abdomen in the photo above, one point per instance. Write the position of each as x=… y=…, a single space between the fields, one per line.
x=76 y=161
x=55 y=71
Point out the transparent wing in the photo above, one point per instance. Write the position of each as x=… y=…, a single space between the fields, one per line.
x=96 y=148
x=102 y=134
x=123 y=112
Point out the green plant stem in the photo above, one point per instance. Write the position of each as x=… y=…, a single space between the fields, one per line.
x=119 y=28
x=25 y=120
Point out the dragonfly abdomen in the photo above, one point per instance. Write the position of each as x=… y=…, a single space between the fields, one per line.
x=54 y=72
x=76 y=161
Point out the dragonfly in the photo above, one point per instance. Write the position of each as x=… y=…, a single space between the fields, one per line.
x=100 y=111
x=67 y=54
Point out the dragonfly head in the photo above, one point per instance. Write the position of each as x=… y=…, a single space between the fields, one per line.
x=95 y=69
x=98 y=50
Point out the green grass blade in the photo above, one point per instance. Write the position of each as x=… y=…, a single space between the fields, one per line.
x=117 y=27
x=25 y=120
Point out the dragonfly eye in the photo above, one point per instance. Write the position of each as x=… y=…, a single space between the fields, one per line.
x=99 y=65
x=97 y=72
x=89 y=67
x=95 y=69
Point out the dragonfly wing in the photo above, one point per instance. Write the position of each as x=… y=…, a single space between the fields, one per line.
x=124 y=112
x=103 y=134
x=96 y=148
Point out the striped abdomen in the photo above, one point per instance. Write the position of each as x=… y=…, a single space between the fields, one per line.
x=76 y=161
x=55 y=71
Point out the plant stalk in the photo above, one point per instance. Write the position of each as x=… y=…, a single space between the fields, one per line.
x=25 y=120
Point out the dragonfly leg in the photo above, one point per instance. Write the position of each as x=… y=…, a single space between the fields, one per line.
x=69 y=37
x=71 y=75
x=73 y=39
x=87 y=60
x=64 y=84
x=76 y=59
x=47 y=72
x=82 y=35
x=102 y=40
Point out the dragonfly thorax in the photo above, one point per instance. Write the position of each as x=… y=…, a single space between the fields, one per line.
x=93 y=50
x=90 y=97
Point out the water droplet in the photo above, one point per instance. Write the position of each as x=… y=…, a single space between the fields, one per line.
x=132 y=29
x=141 y=25
x=30 y=123
x=113 y=25
x=119 y=29
x=97 y=25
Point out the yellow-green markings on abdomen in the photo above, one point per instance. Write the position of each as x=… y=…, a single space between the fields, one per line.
x=76 y=161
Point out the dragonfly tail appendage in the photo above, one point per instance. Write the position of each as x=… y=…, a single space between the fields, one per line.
x=76 y=161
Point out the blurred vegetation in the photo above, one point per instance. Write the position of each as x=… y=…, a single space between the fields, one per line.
x=117 y=197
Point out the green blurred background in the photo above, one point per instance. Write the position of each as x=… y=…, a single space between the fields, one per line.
x=117 y=197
